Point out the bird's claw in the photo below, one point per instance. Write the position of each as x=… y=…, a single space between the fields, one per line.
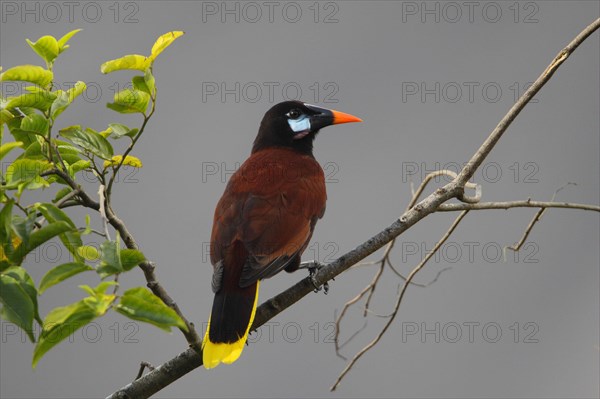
x=313 y=267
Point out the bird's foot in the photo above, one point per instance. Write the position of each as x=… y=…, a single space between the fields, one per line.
x=313 y=267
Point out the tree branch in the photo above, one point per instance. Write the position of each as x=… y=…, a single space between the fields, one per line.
x=516 y=204
x=189 y=360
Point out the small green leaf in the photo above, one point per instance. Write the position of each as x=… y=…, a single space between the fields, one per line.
x=130 y=160
x=129 y=101
x=89 y=140
x=61 y=193
x=26 y=171
x=62 y=42
x=88 y=252
x=64 y=99
x=59 y=324
x=75 y=91
x=8 y=147
x=88 y=227
x=68 y=152
x=61 y=273
x=130 y=258
x=64 y=321
x=17 y=305
x=119 y=130
x=5 y=116
x=60 y=104
x=150 y=83
x=5 y=222
x=28 y=73
x=163 y=42
x=37 y=238
x=139 y=83
x=141 y=304
x=110 y=258
x=35 y=123
x=23 y=227
x=132 y=61
x=79 y=166
x=41 y=100
x=46 y=47
x=71 y=239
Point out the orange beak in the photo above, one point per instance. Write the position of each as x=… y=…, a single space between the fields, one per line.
x=342 y=117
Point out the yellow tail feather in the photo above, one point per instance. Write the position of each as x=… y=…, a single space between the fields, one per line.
x=215 y=353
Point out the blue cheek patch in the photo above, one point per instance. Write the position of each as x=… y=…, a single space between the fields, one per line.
x=300 y=125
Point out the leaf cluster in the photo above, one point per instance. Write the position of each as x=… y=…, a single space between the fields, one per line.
x=42 y=160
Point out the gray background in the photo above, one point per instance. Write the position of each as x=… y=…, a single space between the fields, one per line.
x=370 y=56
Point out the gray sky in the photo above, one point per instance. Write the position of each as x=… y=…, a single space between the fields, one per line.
x=430 y=80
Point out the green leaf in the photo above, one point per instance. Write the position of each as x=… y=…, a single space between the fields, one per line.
x=20 y=274
x=119 y=130
x=89 y=140
x=62 y=42
x=79 y=166
x=150 y=83
x=28 y=73
x=59 y=324
x=64 y=99
x=46 y=47
x=110 y=258
x=163 y=42
x=14 y=126
x=5 y=116
x=47 y=232
x=61 y=193
x=129 y=101
x=130 y=258
x=75 y=91
x=37 y=238
x=23 y=227
x=8 y=147
x=17 y=305
x=26 y=171
x=71 y=239
x=88 y=252
x=41 y=100
x=141 y=304
x=61 y=273
x=130 y=160
x=131 y=62
x=68 y=152
x=139 y=83
x=88 y=226
x=35 y=123
x=5 y=222
x=64 y=321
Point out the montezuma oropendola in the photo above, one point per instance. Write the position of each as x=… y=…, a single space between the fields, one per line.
x=264 y=220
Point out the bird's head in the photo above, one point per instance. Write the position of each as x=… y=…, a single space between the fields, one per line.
x=294 y=124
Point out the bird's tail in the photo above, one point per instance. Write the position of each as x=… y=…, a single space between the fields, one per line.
x=229 y=324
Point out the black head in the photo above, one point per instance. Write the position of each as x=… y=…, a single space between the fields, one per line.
x=295 y=124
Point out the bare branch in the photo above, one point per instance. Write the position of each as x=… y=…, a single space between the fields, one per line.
x=515 y=204
x=469 y=170
x=399 y=300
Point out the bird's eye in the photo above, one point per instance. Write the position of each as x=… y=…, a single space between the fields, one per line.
x=294 y=114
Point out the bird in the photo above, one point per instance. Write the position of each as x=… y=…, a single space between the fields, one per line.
x=264 y=220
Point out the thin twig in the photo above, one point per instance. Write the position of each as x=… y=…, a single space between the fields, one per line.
x=399 y=300
x=143 y=366
x=517 y=246
x=516 y=204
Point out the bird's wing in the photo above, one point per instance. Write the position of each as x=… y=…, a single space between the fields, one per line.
x=273 y=221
